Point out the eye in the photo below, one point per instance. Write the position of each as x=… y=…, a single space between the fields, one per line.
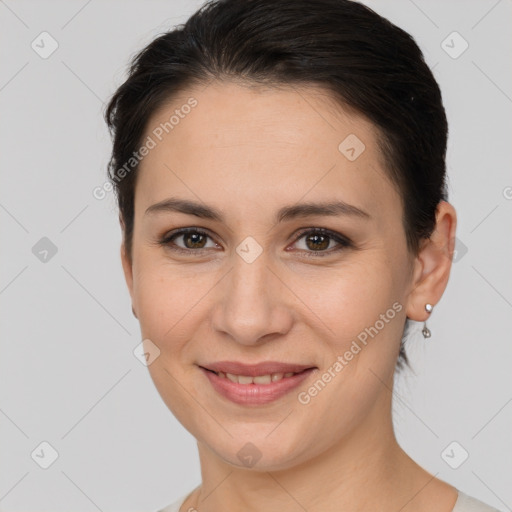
x=318 y=240
x=193 y=239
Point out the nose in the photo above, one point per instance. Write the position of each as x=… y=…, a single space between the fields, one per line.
x=252 y=305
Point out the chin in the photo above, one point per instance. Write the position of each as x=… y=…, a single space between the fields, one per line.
x=259 y=453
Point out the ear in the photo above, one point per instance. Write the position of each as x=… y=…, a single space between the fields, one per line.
x=433 y=264
x=127 y=265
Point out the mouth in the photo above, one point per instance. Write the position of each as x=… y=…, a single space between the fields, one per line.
x=255 y=384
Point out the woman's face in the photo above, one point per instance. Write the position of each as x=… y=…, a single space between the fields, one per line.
x=259 y=283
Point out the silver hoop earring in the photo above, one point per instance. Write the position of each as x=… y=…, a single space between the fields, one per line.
x=426 y=331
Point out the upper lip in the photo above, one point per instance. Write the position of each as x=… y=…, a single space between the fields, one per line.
x=253 y=370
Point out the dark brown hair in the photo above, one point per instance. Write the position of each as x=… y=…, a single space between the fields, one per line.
x=342 y=46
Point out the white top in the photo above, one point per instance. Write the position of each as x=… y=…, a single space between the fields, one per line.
x=464 y=503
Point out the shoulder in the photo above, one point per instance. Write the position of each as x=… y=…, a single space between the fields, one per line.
x=466 y=503
x=175 y=507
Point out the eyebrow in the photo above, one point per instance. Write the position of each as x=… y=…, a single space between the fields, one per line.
x=332 y=208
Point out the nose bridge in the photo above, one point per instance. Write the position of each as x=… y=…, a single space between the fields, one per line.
x=249 y=307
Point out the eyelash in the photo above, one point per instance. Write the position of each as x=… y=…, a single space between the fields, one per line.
x=343 y=241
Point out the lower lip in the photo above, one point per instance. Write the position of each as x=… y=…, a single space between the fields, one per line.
x=255 y=394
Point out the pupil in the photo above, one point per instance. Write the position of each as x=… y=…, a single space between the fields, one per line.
x=196 y=240
x=316 y=239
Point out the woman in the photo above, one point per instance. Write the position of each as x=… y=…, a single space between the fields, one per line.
x=280 y=174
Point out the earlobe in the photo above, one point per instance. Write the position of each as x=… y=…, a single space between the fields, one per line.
x=433 y=264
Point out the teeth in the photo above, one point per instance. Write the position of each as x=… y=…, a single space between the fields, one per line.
x=260 y=379
x=242 y=379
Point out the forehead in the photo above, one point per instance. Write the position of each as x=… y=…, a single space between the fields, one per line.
x=255 y=145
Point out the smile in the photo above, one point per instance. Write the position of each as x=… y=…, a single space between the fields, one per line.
x=255 y=390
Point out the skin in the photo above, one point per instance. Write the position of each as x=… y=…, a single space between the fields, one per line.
x=248 y=152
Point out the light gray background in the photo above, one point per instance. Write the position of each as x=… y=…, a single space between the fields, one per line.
x=69 y=376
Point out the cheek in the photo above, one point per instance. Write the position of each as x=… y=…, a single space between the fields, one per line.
x=164 y=301
x=168 y=308
x=349 y=299
x=173 y=304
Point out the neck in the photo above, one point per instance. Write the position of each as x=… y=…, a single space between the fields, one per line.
x=365 y=470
